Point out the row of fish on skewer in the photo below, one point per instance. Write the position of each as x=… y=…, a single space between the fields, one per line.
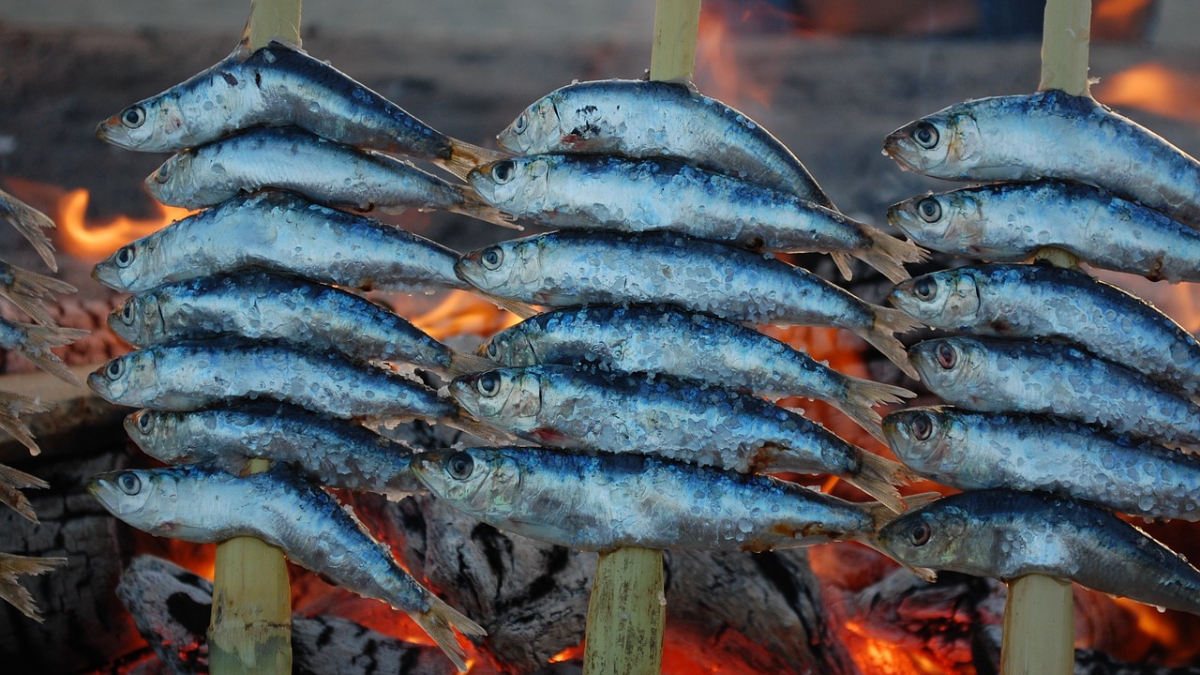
x=1069 y=397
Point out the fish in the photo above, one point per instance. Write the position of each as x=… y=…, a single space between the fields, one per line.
x=1020 y=138
x=12 y=482
x=1040 y=301
x=579 y=268
x=589 y=410
x=638 y=118
x=29 y=290
x=334 y=453
x=990 y=375
x=14 y=566
x=204 y=505
x=604 y=502
x=662 y=339
x=30 y=223
x=279 y=85
x=261 y=305
x=288 y=158
x=12 y=406
x=976 y=451
x=646 y=195
x=35 y=342
x=1012 y=222
x=1005 y=534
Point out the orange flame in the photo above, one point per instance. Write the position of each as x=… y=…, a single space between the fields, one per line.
x=717 y=72
x=1155 y=88
x=462 y=313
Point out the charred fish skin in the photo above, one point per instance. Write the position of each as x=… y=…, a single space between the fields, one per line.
x=1016 y=138
x=975 y=451
x=202 y=504
x=276 y=85
x=578 y=268
x=264 y=306
x=1038 y=301
x=1006 y=534
x=287 y=234
x=637 y=118
x=662 y=339
x=599 y=503
x=624 y=195
x=333 y=452
x=991 y=375
x=1011 y=222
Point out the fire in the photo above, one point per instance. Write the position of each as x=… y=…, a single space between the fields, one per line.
x=462 y=313
x=717 y=73
x=1155 y=88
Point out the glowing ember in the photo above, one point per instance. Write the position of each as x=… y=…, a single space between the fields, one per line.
x=1155 y=88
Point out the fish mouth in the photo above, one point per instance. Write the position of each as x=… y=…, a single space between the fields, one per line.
x=102 y=491
x=899 y=147
x=99 y=385
x=105 y=272
x=898 y=297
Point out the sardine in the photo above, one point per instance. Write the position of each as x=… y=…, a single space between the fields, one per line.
x=292 y=159
x=12 y=482
x=1039 y=301
x=583 y=409
x=28 y=290
x=35 y=342
x=636 y=118
x=1009 y=223
x=577 y=268
x=974 y=451
x=697 y=346
x=204 y=505
x=265 y=306
x=1051 y=134
x=12 y=406
x=615 y=193
x=1006 y=535
x=599 y=503
x=281 y=85
x=991 y=375
x=29 y=222
x=334 y=453
x=14 y=566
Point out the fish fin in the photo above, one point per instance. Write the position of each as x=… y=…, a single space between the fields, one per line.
x=465 y=363
x=474 y=206
x=439 y=621
x=11 y=407
x=11 y=484
x=878 y=477
x=889 y=321
x=28 y=289
x=30 y=222
x=13 y=566
x=842 y=260
x=921 y=499
x=861 y=398
x=517 y=307
x=466 y=157
x=888 y=255
x=39 y=340
x=480 y=429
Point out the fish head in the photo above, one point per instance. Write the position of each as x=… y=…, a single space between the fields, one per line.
x=126 y=377
x=510 y=269
x=534 y=130
x=156 y=432
x=951 y=367
x=947 y=299
x=508 y=397
x=172 y=183
x=123 y=270
x=516 y=186
x=951 y=221
x=139 y=320
x=146 y=499
x=153 y=125
x=511 y=347
x=933 y=536
x=475 y=480
x=945 y=144
x=924 y=438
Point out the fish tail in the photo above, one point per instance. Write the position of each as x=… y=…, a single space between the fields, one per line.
x=878 y=477
x=439 y=621
x=861 y=398
x=28 y=289
x=465 y=363
x=474 y=206
x=889 y=321
x=11 y=407
x=39 y=340
x=13 y=566
x=517 y=307
x=465 y=157
x=842 y=260
x=30 y=222
x=11 y=484
x=888 y=255
x=480 y=429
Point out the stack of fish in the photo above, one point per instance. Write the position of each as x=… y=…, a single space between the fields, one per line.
x=642 y=380
x=252 y=343
x=1065 y=386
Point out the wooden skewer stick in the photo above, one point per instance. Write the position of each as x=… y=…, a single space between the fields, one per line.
x=1065 y=36
x=250 y=632
x=676 y=26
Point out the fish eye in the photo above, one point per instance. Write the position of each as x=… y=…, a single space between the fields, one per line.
x=115 y=369
x=929 y=209
x=926 y=135
x=492 y=350
x=922 y=426
x=946 y=355
x=925 y=288
x=503 y=172
x=163 y=174
x=920 y=533
x=127 y=312
x=129 y=483
x=492 y=258
x=488 y=384
x=125 y=256
x=460 y=465
x=134 y=117
x=145 y=422
x=521 y=124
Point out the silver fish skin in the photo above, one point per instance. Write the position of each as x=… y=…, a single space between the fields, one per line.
x=282 y=233
x=265 y=306
x=1039 y=301
x=28 y=290
x=662 y=339
x=203 y=505
x=292 y=159
x=599 y=503
x=624 y=195
x=1011 y=222
x=1006 y=534
x=1051 y=134
x=579 y=268
x=637 y=118
x=193 y=375
x=975 y=451
x=35 y=342
x=334 y=453
x=990 y=375
x=29 y=222
x=585 y=409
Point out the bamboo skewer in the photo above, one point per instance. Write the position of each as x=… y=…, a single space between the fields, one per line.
x=250 y=631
